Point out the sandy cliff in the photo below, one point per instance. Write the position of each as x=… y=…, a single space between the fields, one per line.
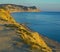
x=15 y=37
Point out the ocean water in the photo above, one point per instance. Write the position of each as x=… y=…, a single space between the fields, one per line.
x=45 y=23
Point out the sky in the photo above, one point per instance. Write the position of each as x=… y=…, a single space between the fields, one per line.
x=44 y=5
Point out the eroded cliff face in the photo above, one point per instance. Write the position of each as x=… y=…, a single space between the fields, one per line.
x=15 y=37
x=19 y=8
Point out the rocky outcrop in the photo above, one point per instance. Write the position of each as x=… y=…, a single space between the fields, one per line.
x=19 y=8
x=15 y=37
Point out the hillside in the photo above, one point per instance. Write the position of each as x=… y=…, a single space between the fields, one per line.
x=16 y=37
x=19 y=8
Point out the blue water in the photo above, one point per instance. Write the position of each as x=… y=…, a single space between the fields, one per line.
x=46 y=23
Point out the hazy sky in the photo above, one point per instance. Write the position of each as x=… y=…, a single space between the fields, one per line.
x=45 y=5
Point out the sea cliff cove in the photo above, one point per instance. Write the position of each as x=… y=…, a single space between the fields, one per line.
x=27 y=29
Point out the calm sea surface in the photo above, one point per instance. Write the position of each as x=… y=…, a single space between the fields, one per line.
x=46 y=23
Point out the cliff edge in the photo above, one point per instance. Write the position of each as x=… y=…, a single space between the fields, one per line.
x=15 y=37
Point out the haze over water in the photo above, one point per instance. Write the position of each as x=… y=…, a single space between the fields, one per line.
x=46 y=23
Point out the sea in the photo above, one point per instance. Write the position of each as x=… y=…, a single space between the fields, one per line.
x=45 y=23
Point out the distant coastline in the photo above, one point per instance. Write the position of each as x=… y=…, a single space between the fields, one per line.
x=19 y=8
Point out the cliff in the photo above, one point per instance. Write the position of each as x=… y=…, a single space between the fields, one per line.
x=19 y=8
x=15 y=37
